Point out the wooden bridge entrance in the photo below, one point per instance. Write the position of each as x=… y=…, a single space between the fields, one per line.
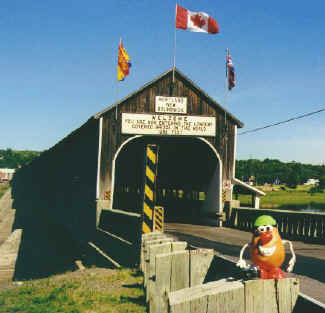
x=188 y=180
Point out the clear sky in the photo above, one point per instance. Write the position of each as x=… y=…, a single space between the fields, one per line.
x=58 y=63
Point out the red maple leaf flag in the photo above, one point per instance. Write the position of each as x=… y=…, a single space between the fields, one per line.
x=195 y=21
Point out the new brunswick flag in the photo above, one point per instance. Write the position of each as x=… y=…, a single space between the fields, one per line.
x=123 y=66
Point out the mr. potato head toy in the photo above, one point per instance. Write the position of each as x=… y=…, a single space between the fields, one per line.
x=267 y=250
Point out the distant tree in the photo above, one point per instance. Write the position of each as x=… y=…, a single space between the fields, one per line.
x=321 y=183
x=314 y=190
x=269 y=170
x=15 y=159
x=293 y=180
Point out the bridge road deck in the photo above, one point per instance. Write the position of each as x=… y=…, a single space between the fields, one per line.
x=310 y=265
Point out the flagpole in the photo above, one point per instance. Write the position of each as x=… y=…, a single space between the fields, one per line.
x=117 y=79
x=226 y=94
x=226 y=89
x=174 y=65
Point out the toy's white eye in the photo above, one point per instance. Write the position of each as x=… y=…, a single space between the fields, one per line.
x=269 y=228
x=261 y=229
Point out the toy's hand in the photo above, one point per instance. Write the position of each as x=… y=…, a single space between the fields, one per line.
x=242 y=264
x=291 y=264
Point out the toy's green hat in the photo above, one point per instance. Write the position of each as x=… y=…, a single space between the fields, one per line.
x=264 y=220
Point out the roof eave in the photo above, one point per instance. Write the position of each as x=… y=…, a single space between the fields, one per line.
x=178 y=72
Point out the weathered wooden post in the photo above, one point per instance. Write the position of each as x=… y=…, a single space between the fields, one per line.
x=271 y=295
x=155 y=250
x=254 y=296
x=146 y=253
x=175 y=271
x=218 y=296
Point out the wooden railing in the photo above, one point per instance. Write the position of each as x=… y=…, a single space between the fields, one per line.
x=291 y=224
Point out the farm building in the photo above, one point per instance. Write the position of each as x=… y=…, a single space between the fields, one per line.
x=6 y=174
x=100 y=166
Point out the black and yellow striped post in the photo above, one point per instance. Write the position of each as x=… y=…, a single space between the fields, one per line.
x=158 y=219
x=149 y=198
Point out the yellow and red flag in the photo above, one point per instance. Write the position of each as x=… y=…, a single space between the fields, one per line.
x=124 y=64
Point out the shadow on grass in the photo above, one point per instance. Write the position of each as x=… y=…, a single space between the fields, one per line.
x=138 y=300
x=137 y=285
x=137 y=273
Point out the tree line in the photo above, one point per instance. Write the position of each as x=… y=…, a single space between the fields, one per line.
x=272 y=171
x=14 y=159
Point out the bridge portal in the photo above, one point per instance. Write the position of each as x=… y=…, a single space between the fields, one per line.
x=188 y=179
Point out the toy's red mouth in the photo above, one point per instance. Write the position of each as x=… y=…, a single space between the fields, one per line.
x=265 y=238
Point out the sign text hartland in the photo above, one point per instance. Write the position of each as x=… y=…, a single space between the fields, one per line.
x=171 y=105
x=160 y=124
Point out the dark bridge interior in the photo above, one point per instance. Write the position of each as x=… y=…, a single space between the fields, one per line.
x=188 y=169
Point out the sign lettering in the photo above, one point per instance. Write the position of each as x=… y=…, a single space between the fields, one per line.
x=169 y=125
x=171 y=105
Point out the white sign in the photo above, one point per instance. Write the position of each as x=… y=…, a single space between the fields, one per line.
x=171 y=105
x=169 y=125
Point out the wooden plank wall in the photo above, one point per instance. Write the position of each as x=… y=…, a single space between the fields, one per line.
x=144 y=102
x=60 y=185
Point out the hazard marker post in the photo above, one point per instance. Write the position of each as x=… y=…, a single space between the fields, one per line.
x=149 y=197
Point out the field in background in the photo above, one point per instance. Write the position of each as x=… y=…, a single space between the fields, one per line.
x=289 y=199
x=89 y=291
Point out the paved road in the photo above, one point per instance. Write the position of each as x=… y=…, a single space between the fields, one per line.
x=9 y=242
x=7 y=216
x=310 y=266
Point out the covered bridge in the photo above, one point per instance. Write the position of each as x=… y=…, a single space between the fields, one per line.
x=100 y=165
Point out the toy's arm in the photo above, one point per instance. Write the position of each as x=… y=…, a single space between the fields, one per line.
x=242 y=263
x=292 y=261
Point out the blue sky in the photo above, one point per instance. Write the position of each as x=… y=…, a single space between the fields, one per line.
x=58 y=67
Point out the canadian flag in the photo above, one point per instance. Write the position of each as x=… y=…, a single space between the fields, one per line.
x=195 y=21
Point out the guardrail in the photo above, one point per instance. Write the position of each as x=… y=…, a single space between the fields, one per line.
x=181 y=279
x=291 y=224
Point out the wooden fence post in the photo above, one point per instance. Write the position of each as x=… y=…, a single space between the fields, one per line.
x=254 y=296
x=200 y=261
x=174 y=271
x=218 y=296
x=145 y=247
x=271 y=296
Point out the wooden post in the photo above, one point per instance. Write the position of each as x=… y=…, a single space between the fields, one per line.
x=146 y=238
x=172 y=273
x=219 y=296
x=149 y=195
x=151 y=272
x=254 y=296
x=200 y=261
x=271 y=296
x=146 y=254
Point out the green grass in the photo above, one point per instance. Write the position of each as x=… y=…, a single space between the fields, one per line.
x=3 y=189
x=290 y=199
x=89 y=291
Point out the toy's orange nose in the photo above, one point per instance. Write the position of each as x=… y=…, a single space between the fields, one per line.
x=265 y=238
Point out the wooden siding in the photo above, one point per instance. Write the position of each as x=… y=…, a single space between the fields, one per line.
x=60 y=185
x=144 y=102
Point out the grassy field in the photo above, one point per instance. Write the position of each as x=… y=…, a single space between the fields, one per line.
x=3 y=189
x=290 y=199
x=93 y=290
